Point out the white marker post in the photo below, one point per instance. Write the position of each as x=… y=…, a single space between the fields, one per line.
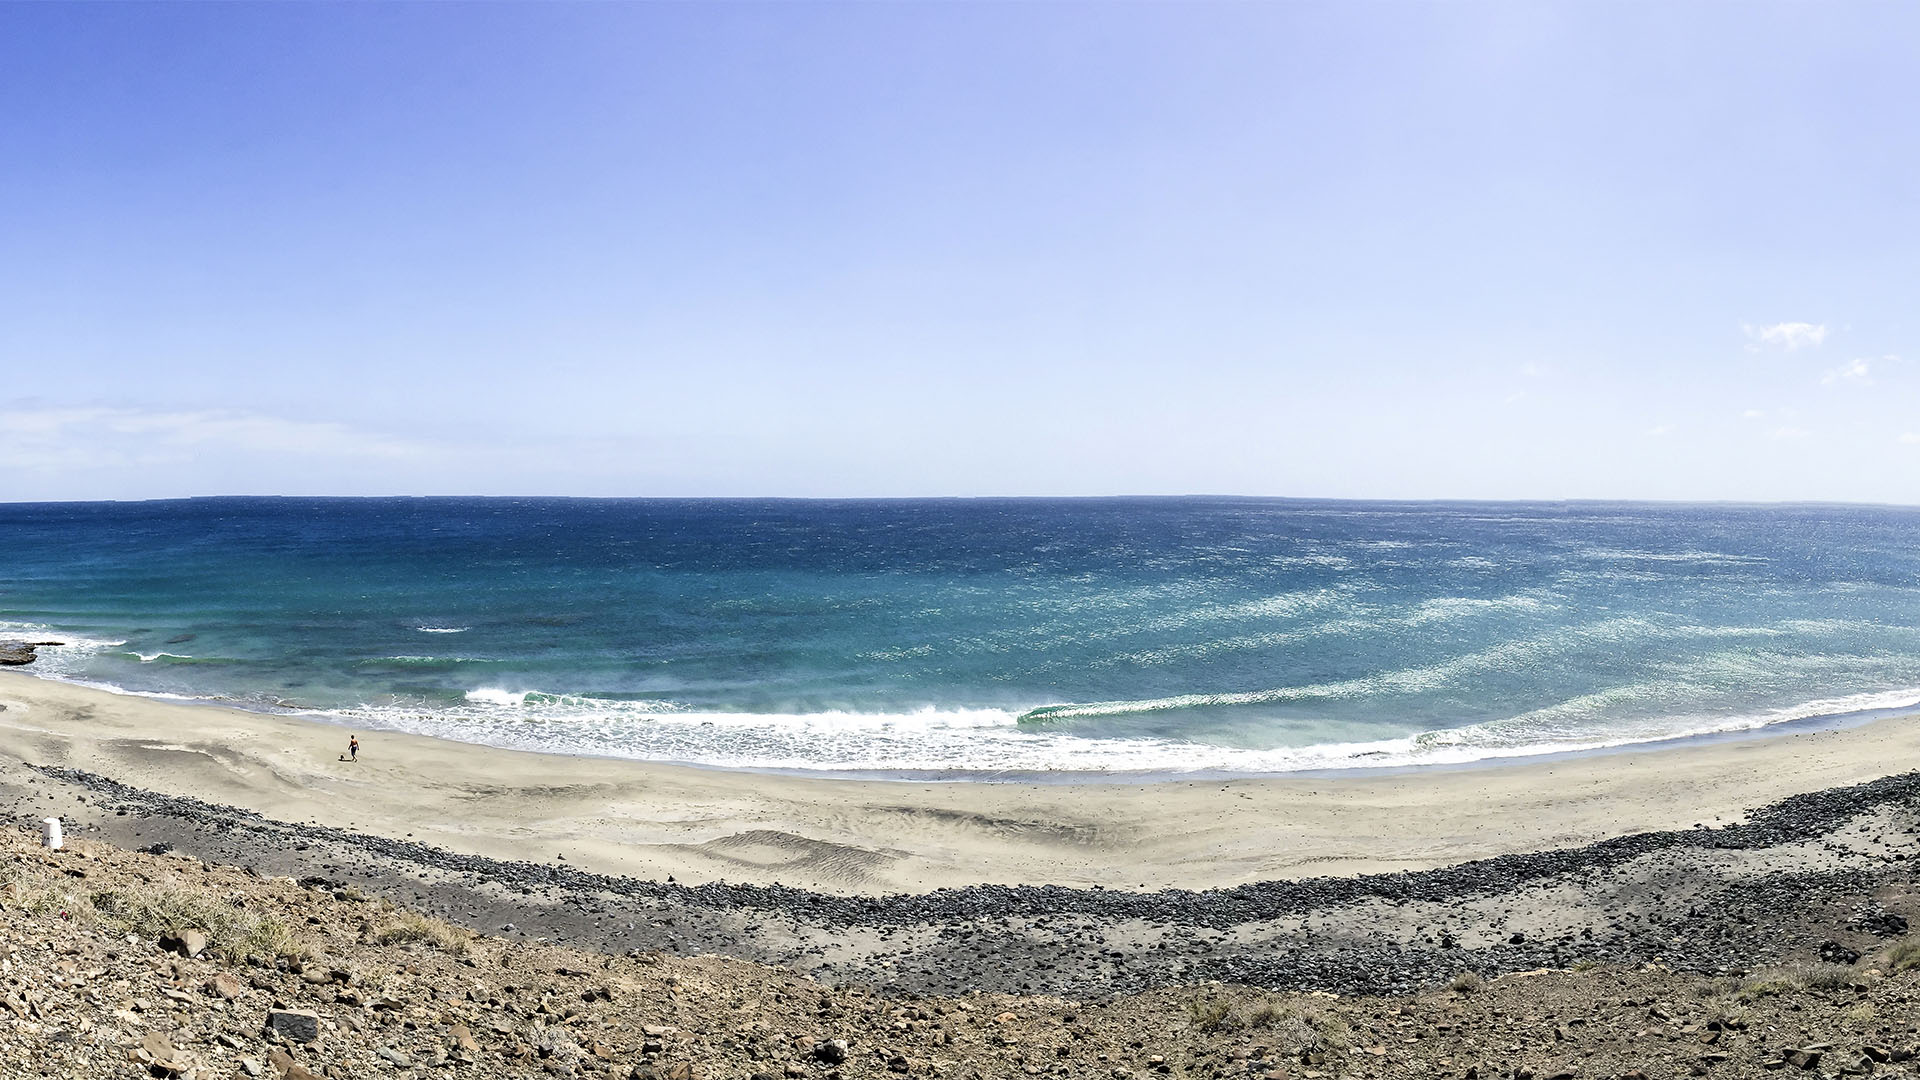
x=50 y=834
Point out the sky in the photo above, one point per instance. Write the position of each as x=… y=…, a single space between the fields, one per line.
x=1364 y=250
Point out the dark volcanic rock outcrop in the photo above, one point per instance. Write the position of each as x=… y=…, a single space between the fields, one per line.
x=16 y=653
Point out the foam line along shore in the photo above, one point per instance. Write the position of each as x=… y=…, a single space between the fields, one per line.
x=849 y=836
x=976 y=638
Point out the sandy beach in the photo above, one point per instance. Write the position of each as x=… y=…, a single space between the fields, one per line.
x=871 y=837
x=1711 y=857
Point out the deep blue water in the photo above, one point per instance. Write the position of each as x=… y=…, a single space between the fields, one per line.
x=984 y=635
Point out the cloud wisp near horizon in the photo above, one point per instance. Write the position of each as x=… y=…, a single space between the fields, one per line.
x=1316 y=249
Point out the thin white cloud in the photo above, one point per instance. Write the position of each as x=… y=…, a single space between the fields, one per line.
x=1659 y=430
x=1754 y=414
x=106 y=438
x=1911 y=438
x=1854 y=371
x=1787 y=335
x=1788 y=433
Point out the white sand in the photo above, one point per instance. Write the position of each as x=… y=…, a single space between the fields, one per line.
x=884 y=836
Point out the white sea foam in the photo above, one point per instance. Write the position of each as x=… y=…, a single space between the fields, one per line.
x=1283 y=606
x=443 y=629
x=415 y=660
x=498 y=696
x=1449 y=608
x=61 y=661
x=39 y=632
x=1710 y=557
x=1507 y=656
x=983 y=742
x=1354 y=617
x=495 y=696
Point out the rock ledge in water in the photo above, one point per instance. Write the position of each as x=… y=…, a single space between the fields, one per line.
x=15 y=653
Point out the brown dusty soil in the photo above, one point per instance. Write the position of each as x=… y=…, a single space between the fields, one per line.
x=88 y=990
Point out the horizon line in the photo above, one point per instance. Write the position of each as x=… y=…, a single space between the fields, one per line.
x=1140 y=497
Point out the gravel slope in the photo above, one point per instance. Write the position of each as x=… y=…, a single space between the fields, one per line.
x=1778 y=885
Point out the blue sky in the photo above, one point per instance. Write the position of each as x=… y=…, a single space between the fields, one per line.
x=1357 y=249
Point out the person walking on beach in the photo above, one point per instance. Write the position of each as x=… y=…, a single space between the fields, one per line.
x=353 y=747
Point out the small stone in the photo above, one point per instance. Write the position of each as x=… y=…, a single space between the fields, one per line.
x=286 y=1068
x=1881 y=923
x=464 y=1040
x=833 y=1051
x=1803 y=1058
x=557 y=1043
x=1833 y=952
x=294 y=1024
x=226 y=986
x=252 y=1067
x=188 y=943
x=394 y=1057
x=160 y=1051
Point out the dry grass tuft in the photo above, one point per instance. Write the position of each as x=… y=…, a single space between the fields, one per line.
x=1863 y=1015
x=1904 y=955
x=410 y=927
x=271 y=937
x=1727 y=1010
x=1296 y=1028
x=1213 y=1012
x=1221 y=1010
x=1799 y=975
x=233 y=932
x=1467 y=982
x=41 y=894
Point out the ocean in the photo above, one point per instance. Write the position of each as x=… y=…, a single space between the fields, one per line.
x=984 y=638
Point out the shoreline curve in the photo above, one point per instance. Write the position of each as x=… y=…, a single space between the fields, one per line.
x=875 y=837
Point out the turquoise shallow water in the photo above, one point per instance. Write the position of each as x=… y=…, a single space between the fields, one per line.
x=977 y=637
